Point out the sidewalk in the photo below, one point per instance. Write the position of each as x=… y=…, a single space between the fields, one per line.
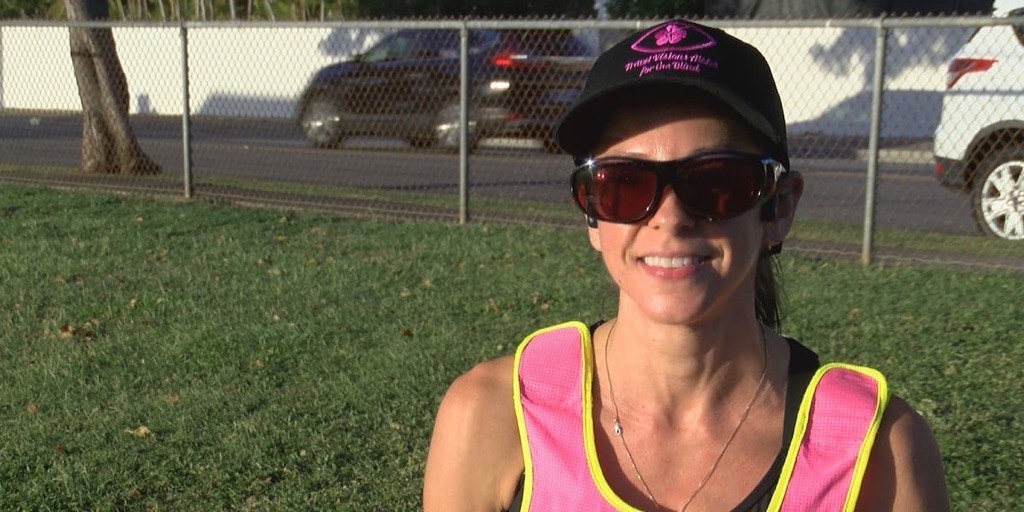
x=914 y=152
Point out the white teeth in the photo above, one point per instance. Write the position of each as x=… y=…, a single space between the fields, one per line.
x=657 y=261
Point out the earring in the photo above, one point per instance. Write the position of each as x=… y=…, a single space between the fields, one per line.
x=591 y=222
x=773 y=249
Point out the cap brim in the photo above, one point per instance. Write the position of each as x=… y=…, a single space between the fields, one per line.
x=579 y=129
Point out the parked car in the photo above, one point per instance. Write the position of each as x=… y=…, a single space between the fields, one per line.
x=407 y=86
x=979 y=142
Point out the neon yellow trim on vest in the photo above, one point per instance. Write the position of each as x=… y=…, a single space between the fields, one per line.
x=882 y=399
x=594 y=465
x=584 y=332
x=590 y=446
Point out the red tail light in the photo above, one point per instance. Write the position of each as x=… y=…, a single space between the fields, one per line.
x=960 y=67
x=507 y=59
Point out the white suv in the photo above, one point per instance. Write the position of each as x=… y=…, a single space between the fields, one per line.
x=979 y=142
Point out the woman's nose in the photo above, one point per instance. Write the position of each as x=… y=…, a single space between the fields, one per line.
x=670 y=213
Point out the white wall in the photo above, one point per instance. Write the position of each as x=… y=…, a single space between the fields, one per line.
x=259 y=72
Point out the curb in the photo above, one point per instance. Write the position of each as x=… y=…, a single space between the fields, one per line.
x=908 y=155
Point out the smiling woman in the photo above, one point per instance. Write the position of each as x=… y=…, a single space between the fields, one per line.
x=689 y=399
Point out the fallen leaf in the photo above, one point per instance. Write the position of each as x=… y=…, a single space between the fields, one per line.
x=407 y=332
x=271 y=478
x=140 y=432
x=61 y=450
x=68 y=331
x=32 y=408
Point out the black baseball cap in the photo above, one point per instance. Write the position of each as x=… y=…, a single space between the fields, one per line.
x=684 y=54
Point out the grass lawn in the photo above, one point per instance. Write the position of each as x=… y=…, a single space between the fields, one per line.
x=162 y=355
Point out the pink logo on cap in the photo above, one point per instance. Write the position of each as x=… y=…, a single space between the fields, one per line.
x=673 y=47
x=673 y=36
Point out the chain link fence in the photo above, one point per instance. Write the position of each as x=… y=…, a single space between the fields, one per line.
x=451 y=120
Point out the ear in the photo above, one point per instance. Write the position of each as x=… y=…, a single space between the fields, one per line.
x=789 y=190
x=595 y=237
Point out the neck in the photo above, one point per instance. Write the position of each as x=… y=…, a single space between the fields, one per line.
x=681 y=373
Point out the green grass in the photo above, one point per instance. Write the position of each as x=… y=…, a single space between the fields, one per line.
x=935 y=243
x=293 y=361
x=846 y=235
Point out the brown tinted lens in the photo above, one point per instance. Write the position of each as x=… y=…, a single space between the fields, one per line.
x=581 y=186
x=623 y=191
x=720 y=187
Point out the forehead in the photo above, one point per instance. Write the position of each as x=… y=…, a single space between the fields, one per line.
x=676 y=124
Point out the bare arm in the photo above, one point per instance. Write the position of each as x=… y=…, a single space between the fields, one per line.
x=904 y=472
x=475 y=459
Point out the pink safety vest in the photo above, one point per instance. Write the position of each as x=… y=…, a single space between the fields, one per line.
x=835 y=428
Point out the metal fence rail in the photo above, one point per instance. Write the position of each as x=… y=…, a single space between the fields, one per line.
x=451 y=119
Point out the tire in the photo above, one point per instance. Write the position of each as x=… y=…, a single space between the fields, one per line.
x=321 y=122
x=997 y=198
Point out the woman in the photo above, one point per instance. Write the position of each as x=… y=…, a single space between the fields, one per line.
x=688 y=399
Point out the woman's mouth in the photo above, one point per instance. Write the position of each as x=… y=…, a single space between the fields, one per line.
x=673 y=262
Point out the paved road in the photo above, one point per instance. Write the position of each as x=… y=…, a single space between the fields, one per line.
x=907 y=194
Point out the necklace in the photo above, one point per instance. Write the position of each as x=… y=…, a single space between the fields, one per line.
x=617 y=426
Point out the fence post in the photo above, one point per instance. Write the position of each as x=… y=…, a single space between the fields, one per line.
x=186 y=132
x=463 y=123
x=877 y=90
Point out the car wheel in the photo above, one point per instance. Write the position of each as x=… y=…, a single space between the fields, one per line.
x=998 y=195
x=446 y=129
x=321 y=122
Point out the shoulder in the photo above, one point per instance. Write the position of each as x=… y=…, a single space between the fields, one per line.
x=472 y=398
x=475 y=459
x=904 y=470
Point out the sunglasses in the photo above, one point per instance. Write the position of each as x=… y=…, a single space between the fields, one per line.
x=710 y=186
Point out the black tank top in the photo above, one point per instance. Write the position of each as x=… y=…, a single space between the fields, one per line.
x=803 y=362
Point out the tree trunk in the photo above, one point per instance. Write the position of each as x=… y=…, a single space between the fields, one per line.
x=108 y=141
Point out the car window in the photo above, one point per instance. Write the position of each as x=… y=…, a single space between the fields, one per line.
x=439 y=41
x=559 y=43
x=398 y=46
x=481 y=40
x=478 y=41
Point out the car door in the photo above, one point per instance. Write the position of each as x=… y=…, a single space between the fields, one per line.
x=380 y=88
x=432 y=79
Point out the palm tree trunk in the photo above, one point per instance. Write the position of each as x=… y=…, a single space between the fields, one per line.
x=108 y=141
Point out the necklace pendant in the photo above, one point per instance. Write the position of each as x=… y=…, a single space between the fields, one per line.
x=617 y=427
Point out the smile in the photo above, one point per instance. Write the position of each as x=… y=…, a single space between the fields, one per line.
x=664 y=262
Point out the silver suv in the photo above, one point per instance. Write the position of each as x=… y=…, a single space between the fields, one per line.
x=979 y=142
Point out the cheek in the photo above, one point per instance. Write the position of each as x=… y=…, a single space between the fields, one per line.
x=748 y=238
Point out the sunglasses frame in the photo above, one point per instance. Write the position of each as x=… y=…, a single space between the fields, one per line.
x=668 y=172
